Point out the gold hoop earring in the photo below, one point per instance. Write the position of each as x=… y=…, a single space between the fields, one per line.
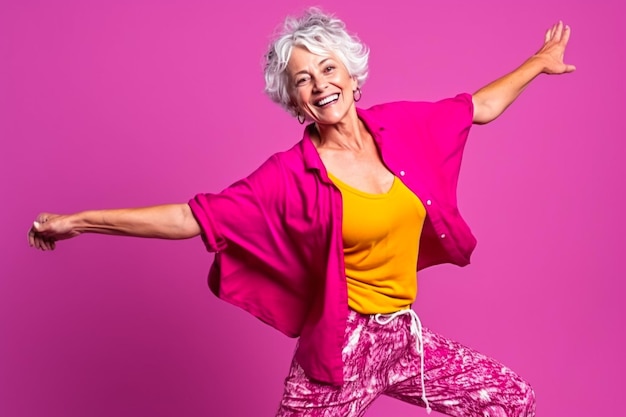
x=301 y=118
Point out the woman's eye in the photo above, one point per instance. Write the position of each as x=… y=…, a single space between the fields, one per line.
x=301 y=81
x=329 y=68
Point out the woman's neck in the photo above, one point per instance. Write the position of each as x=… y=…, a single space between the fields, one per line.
x=349 y=134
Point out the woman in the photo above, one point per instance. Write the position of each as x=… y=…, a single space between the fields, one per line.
x=323 y=240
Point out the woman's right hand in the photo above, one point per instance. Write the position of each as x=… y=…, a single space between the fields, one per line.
x=48 y=228
x=167 y=221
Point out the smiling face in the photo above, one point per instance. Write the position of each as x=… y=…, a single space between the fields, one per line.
x=321 y=87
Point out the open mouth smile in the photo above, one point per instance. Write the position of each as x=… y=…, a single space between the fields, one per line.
x=327 y=100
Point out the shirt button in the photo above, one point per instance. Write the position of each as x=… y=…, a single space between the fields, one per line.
x=443 y=236
x=402 y=173
x=428 y=202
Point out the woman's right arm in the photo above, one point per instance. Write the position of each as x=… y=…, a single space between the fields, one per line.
x=169 y=221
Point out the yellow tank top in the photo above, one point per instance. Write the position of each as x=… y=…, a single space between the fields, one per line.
x=381 y=235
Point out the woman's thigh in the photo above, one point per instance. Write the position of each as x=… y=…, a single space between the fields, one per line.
x=462 y=382
x=369 y=350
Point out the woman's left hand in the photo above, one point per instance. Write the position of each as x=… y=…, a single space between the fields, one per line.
x=552 y=52
x=491 y=100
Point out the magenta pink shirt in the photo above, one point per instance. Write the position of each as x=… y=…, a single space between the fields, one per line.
x=277 y=233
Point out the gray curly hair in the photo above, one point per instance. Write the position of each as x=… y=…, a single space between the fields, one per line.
x=321 y=34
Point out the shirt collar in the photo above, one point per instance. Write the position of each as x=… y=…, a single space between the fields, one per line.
x=312 y=159
x=371 y=122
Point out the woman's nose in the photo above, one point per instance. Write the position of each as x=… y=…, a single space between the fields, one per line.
x=319 y=84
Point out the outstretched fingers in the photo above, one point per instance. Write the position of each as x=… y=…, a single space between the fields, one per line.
x=558 y=31
x=555 y=32
x=553 y=49
x=566 y=34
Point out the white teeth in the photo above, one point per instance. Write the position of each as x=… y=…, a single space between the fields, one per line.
x=328 y=99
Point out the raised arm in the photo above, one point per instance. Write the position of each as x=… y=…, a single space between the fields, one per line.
x=491 y=100
x=170 y=221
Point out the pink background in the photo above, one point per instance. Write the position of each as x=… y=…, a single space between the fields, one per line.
x=131 y=103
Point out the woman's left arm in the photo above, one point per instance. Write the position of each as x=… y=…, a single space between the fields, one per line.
x=491 y=100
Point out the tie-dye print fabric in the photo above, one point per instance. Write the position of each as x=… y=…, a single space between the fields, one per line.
x=383 y=360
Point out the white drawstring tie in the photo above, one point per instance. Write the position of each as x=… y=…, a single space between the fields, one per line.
x=416 y=331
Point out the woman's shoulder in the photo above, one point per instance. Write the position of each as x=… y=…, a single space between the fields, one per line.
x=420 y=105
x=397 y=111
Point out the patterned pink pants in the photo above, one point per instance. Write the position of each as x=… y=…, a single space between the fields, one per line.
x=384 y=359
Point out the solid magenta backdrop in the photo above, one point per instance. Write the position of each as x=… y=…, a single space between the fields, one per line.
x=130 y=103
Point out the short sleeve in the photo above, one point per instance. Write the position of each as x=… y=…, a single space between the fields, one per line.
x=246 y=214
x=451 y=119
